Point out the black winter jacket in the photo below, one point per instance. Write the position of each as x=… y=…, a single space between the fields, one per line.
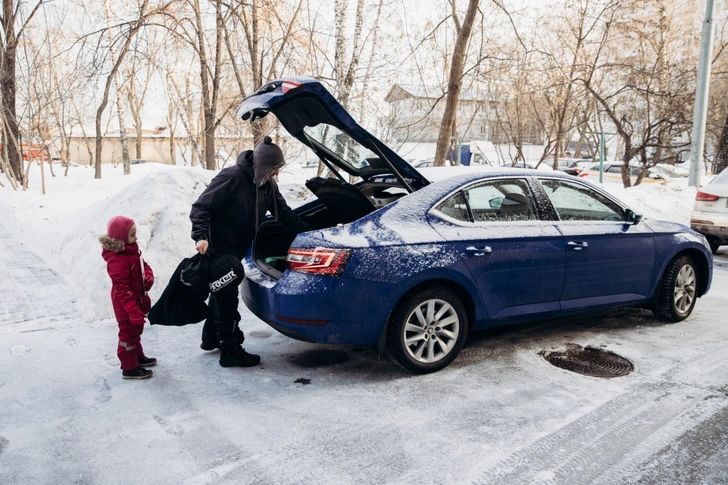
x=225 y=214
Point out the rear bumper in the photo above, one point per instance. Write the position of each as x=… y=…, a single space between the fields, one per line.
x=717 y=230
x=320 y=309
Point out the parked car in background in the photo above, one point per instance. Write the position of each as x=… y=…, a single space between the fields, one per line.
x=612 y=173
x=429 y=162
x=138 y=161
x=710 y=212
x=667 y=171
x=572 y=166
x=411 y=264
x=519 y=164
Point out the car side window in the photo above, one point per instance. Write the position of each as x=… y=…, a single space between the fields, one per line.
x=456 y=207
x=575 y=202
x=500 y=200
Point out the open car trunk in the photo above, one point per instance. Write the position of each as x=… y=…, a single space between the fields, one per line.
x=338 y=202
x=313 y=116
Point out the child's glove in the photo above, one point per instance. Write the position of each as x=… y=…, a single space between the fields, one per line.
x=148 y=282
x=137 y=318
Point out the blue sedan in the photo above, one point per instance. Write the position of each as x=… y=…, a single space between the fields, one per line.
x=412 y=265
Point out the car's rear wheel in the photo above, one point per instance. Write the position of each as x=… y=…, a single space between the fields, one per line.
x=427 y=330
x=679 y=290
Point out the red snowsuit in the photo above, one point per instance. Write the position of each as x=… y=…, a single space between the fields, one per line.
x=131 y=278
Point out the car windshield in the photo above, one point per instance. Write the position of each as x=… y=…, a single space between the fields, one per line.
x=340 y=144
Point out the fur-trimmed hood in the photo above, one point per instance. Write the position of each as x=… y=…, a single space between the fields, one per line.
x=111 y=243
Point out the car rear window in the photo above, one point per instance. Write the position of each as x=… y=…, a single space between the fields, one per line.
x=721 y=178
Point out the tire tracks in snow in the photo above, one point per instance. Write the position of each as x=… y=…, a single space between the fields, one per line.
x=616 y=442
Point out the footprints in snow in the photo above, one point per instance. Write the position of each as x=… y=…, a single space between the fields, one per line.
x=104 y=390
x=175 y=430
x=19 y=350
x=22 y=350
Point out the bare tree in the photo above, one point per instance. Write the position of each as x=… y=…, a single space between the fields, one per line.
x=8 y=52
x=127 y=31
x=455 y=78
x=644 y=93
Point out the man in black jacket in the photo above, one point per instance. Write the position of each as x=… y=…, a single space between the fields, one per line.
x=224 y=221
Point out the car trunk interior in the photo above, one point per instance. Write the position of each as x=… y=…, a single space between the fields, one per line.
x=338 y=202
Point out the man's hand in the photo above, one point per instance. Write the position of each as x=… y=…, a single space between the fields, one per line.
x=202 y=246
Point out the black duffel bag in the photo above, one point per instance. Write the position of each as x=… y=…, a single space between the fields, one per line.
x=183 y=300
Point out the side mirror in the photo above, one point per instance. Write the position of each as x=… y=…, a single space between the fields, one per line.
x=631 y=217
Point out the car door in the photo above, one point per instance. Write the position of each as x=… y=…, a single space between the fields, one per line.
x=516 y=260
x=608 y=260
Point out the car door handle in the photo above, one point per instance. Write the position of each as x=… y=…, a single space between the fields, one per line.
x=577 y=246
x=478 y=251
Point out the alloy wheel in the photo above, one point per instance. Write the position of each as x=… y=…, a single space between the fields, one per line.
x=431 y=331
x=685 y=286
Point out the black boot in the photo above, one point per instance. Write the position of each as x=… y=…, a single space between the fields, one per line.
x=233 y=355
x=209 y=336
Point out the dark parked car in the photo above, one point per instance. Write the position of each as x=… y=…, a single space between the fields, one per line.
x=572 y=166
x=412 y=265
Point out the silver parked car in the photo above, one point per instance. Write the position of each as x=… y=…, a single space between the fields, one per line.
x=710 y=212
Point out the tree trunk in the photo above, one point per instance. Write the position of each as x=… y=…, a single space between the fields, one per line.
x=7 y=77
x=119 y=98
x=721 y=157
x=454 y=83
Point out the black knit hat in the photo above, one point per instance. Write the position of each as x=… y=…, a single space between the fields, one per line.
x=267 y=157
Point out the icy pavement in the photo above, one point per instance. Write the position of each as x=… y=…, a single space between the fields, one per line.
x=338 y=415
x=32 y=296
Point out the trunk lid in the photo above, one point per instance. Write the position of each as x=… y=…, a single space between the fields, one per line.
x=311 y=114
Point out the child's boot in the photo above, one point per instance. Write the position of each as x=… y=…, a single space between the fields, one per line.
x=138 y=373
x=147 y=361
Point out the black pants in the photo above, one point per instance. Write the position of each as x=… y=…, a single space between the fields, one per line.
x=222 y=323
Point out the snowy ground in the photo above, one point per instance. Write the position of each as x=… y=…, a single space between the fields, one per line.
x=323 y=414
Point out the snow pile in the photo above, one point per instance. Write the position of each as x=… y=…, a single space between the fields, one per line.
x=63 y=225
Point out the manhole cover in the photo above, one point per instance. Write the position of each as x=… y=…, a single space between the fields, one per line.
x=589 y=361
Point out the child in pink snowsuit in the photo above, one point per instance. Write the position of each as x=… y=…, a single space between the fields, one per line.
x=131 y=278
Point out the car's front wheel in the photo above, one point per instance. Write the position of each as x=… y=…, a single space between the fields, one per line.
x=427 y=330
x=679 y=290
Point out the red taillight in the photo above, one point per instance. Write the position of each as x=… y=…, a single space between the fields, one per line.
x=321 y=261
x=584 y=174
x=705 y=196
x=288 y=85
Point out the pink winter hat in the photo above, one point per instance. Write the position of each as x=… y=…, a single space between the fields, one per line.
x=118 y=227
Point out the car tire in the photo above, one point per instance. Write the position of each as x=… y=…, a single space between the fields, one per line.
x=427 y=330
x=678 y=292
x=714 y=245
